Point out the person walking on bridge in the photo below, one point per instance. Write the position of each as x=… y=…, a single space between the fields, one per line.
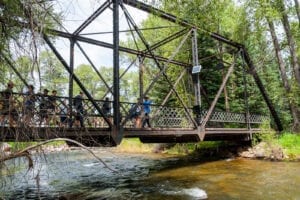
x=135 y=113
x=7 y=104
x=78 y=104
x=147 y=109
x=29 y=105
x=44 y=105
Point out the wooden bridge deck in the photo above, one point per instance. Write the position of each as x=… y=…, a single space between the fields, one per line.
x=102 y=136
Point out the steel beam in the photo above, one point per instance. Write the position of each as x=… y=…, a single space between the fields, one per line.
x=89 y=20
x=172 y=18
x=162 y=69
x=93 y=66
x=262 y=89
x=13 y=68
x=76 y=79
x=117 y=131
x=110 y=46
x=111 y=87
x=196 y=63
x=71 y=75
x=213 y=104
x=168 y=39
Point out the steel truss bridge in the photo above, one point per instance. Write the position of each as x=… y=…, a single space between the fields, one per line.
x=168 y=124
x=184 y=123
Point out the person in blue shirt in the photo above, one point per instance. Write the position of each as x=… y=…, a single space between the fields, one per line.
x=147 y=109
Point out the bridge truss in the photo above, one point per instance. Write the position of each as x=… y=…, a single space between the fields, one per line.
x=183 y=123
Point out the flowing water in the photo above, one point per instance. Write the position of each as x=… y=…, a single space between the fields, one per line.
x=77 y=175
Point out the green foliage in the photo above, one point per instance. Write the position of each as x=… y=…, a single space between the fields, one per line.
x=267 y=134
x=291 y=144
x=17 y=146
x=209 y=144
x=181 y=149
x=52 y=74
x=134 y=145
x=187 y=148
x=14 y=13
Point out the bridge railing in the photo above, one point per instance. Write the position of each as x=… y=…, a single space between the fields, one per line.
x=21 y=114
x=230 y=117
x=160 y=116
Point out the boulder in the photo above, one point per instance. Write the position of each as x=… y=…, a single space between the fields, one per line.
x=5 y=147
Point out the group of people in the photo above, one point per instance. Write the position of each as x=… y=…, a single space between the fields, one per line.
x=14 y=110
x=7 y=104
x=10 y=106
x=44 y=109
x=140 y=113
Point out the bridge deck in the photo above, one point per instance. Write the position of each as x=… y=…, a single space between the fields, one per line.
x=103 y=135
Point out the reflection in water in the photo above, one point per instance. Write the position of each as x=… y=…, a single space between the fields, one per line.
x=77 y=175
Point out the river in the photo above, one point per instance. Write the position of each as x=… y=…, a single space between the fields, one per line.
x=77 y=175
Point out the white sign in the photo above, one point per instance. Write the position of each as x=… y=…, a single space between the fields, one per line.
x=196 y=69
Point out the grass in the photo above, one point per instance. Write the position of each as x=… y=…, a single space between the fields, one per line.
x=188 y=148
x=17 y=146
x=134 y=145
x=290 y=143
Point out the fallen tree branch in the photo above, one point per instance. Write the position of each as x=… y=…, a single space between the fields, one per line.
x=25 y=152
x=17 y=155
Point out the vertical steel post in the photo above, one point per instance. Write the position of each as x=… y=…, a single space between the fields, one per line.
x=196 y=63
x=116 y=132
x=196 y=79
x=71 y=75
x=247 y=114
x=141 y=78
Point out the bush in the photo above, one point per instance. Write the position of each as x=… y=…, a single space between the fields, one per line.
x=267 y=134
x=290 y=143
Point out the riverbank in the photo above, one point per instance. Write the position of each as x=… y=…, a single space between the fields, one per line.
x=285 y=147
x=270 y=146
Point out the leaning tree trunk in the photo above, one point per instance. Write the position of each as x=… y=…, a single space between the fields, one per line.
x=297 y=7
x=280 y=61
x=291 y=41
x=282 y=68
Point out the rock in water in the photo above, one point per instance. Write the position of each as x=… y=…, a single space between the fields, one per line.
x=196 y=192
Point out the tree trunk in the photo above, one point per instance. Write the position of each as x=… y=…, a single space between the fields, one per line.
x=282 y=68
x=295 y=113
x=280 y=61
x=291 y=41
x=297 y=7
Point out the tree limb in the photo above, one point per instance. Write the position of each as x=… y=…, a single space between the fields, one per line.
x=25 y=152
